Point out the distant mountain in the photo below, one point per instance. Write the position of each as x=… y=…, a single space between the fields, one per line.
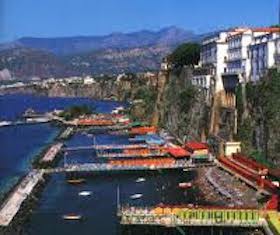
x=25 y=63
x=81 y=44
x=114 y=53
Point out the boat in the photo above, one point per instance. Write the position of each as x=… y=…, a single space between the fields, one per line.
x=136 y=196
x=140 y=180
x=85 y=193
x=5 y=123
x=72 y=217
x=76 y=181
x=185 y=185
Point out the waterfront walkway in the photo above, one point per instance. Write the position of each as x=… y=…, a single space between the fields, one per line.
x=176 y=217
x=106 y=147
x=11 y=206
x=105 y=167
x=52 y=153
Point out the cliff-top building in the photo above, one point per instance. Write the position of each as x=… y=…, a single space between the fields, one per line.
x=238 y=55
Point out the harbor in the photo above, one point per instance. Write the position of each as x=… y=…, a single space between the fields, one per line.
x=81 y=158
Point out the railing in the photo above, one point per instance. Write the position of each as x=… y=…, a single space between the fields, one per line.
x=191 y=217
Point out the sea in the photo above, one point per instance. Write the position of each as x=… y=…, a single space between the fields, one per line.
x=20 y=145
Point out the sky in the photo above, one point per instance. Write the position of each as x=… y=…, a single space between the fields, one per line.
x=60 y=18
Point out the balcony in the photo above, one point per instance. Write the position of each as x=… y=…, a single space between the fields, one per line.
x=277 y=58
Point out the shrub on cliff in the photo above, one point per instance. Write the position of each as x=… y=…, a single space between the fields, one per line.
x=185 y=54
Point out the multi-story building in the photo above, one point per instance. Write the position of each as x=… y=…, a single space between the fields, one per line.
x=213 y=53
x=264 y=52
x=237 y=60
x=239 y=55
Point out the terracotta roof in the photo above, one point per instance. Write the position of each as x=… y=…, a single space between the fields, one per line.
x=196 y=145
x=178 y=152
x=267 y=29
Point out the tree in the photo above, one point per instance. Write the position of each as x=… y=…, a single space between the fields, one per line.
x=76 y=111
x=185 y=54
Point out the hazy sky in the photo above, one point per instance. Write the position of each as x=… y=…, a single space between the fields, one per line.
x=52 y=18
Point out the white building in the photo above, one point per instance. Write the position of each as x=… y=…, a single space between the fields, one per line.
x=264 y=53
x=89 y=80
x=238 y=61
x=239 y=55
x=214 y=52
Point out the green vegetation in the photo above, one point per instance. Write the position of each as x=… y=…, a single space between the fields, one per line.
x=143 y=111
x=185 y=54
x=76 y=111
x=183 y=106
x=260 y=129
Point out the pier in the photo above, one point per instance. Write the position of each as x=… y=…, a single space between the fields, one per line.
x=107 y=167
x=11 y=206
x=52 y=153
x=109 y=147
x=131 y=155
x=66 y=133
x=185 y=217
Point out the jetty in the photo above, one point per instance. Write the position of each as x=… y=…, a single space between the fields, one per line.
x=66 y=133
x=110 y=167
x=52 y=153
x=153 y=154
x=109 y=147
x=12 y=204
x=187 y=216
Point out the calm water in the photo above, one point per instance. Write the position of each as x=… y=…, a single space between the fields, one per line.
x=99 y=210
x=20 y=144
x=12 y=106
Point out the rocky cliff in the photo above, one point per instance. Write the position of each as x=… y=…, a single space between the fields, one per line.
x=180 y=107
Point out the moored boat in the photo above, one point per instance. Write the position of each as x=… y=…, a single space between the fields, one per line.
x=85 y=193
x=185 y=185
x=136 y=196
x=140 y=180
x=76 y=181
x=72 y=217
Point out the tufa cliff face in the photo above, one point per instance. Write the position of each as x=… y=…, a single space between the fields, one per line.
x=259 y=129
x=180 y=107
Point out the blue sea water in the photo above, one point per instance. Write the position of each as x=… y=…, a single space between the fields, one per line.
x=20 y=144
x=12 y=106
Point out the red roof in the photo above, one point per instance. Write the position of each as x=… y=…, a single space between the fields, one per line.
x=178 y=152
x=196 y=145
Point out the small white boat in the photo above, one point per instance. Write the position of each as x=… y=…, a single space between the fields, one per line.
x=136 y=196
x=72 y=217
x=185 y=185
x=85 y=193
x=140 y=180
x=5 y=123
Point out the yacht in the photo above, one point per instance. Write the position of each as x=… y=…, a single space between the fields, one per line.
x=140 y=180
x=72 y=217
x=85 y=193
x=136 y=196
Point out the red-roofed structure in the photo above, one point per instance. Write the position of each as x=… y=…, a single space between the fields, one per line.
x=178 y=152
x=196 y=146
x=198 y=150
